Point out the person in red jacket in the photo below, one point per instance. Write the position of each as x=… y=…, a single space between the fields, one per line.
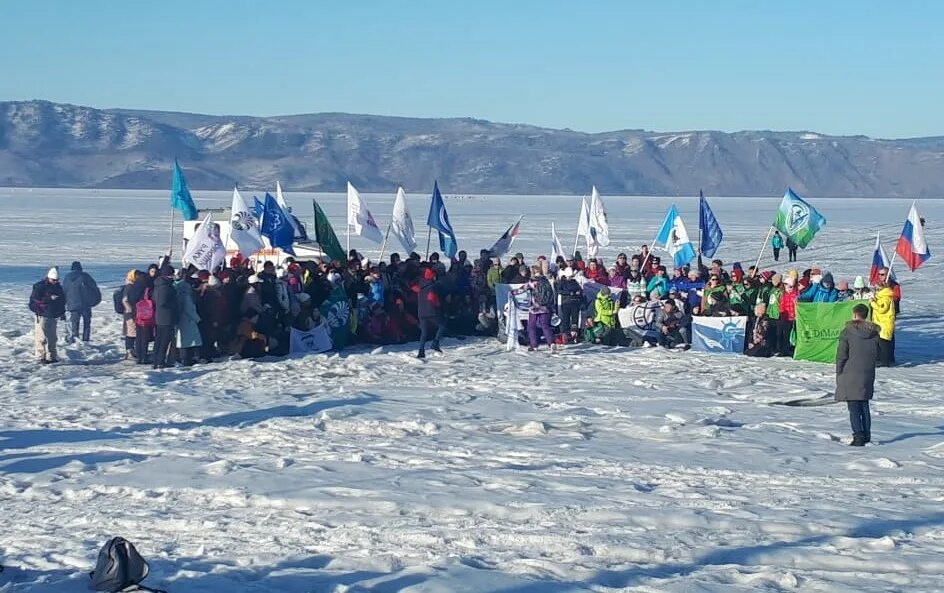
x=787 y=320
x=596 y=273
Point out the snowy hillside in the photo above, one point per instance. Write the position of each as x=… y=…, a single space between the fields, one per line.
x=599 y=469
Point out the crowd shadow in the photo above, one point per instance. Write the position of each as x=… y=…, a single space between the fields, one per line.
x=939 y=432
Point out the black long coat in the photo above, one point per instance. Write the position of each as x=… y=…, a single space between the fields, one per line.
x=855 y=361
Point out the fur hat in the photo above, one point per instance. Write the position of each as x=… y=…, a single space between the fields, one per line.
x=253 y=279
x=53 y=273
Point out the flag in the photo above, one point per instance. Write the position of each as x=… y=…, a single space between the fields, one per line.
x=402 y=223
x=818 y=327
x=674 y=238
x=711 y=234
x=313 y=341
x=797 y=219
x=325 y=235
x=557 y=250
x=297 y=226
x=912 y=248
x=336 y=311
x=359 y=217
x=504 y=242
x=244 y=227
x=599 y=227
x=275 y=225
x=439 y=220
x=723 y=335
x=511 y=324
x=258 y=209
x=205 y=250
x=180 y=195
x=583 y=225
x=879 y=260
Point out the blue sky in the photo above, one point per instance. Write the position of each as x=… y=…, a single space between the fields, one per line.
x=832 y=66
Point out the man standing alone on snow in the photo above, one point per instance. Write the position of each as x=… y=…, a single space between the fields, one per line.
x=48 y=303
x=855 y=372
x=81 y=295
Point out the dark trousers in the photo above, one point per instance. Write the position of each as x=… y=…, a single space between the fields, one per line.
x=776 y=254
x=792 y=251
x=141 y=340
x=886 y=352
x=85 y=316
x=425 y=328
x=163 y=336
x=570 y=317
x=784 y=329
x=860 y=419
x=540 y=321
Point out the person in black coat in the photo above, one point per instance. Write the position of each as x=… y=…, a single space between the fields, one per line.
x=430 y=311
x=165 y=316
x=571 y=302
x=82 y=294
x=48 y=302
x=855 y=372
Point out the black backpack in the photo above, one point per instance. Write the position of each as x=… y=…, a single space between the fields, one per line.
x=120 y=567
x=118 y=297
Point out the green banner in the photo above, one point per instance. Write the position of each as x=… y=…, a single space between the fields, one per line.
x=818 y=326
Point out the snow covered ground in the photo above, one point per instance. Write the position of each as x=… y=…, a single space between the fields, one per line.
x=595 y=470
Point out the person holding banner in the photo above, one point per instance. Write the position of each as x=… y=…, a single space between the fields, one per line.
x=855 y=372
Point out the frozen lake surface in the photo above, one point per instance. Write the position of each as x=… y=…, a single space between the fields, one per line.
x=600 y=469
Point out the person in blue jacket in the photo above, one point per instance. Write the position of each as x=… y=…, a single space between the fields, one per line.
x=658 y=286
x=689 y=289
x=777 y=244
x=823 y=291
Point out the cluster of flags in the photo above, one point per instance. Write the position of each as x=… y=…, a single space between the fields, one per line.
x=271 y=223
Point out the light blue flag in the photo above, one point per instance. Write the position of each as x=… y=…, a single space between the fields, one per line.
x=180 y=195
x=722 y=335
x=258 y=207
x=711 y=234
x=674 y=238
x=439 y=220
x=276 y=226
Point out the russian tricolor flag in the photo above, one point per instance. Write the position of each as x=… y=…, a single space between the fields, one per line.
x=879 y=260
x=912 y=248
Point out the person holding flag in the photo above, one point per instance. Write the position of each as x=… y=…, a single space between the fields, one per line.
x=439 y=219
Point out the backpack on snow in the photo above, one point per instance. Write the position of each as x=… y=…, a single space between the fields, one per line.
x=118 y=298
x=144 y=310
x=119 y=567
x=543 y=293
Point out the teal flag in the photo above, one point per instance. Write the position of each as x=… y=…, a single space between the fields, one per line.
x=180 y=195
x=337 y=313
x=797 y=219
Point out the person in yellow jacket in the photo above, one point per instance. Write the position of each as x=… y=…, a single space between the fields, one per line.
x=493 y=275
x=883 y=315
x=604 y=317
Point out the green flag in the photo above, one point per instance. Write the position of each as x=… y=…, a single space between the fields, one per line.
x=818 y=326
x=337 y=313
x=797 y=219
x=325 y=236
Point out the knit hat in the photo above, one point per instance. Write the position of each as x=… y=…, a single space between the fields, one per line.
x=253 y=279
x=793 y=274
x=842 y=285
x=605 y=290
x=858 y=283
x=767 y=274
x=76 y=266
x=816 y=272
x=53 y=273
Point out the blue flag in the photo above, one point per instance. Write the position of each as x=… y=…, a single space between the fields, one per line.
x=439 y=220
x=673 y=237
x=711 y=234
x=276 y=226
x=258 y=208
x=180 y=196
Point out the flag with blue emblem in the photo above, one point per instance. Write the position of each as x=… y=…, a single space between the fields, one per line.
x=711 y=234
x=180 y=197
x=439 y=220
x=276 y=226
x=724 y=335
x=674 y=238
x=797 y=219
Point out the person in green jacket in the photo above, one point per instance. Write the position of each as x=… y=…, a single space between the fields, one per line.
x=773 y=310
x=493 y=275
x=743 y=297
x=604 y=317
x=777 y=244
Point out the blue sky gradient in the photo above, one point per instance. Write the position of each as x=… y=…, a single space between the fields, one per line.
x=840 y=67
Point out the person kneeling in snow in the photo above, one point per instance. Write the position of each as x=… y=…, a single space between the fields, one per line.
x=671 y=325
x=600 y=327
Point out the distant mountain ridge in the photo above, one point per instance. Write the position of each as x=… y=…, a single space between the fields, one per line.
x=59 y=145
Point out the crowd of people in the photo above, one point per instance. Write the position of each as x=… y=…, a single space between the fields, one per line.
x=184 y=316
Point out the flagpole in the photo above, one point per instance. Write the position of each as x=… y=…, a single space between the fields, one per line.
x=384 y=244
x=170 y=248
x=429 y=236
x=763 y=247
x=701 y=197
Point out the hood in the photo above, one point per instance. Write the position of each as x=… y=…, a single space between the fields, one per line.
x=864 y=330
x=76 y=266
x=828 y=280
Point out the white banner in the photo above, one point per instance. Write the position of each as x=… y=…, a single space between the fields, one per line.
x=313 y=341
x=205 y=250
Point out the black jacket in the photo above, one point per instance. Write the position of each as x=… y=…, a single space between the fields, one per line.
x=429 y=303
x=570 y=291
x=81 y=291
x=48 y=299
x=855 y=361
x=165 y=302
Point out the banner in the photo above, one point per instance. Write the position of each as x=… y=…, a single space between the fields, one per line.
x=818 y=326
x=723 y=335
x=640 y=319
x=312 y=341
x=205 y=250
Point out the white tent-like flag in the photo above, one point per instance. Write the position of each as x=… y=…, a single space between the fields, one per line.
x=359 y=218
x=243 y=227
x=599 y=227
x=557 y=250
x=402 y=224
x=205 y=250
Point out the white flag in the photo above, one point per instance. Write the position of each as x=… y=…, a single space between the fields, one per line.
x=313 y=341
x=402 y=224
x=205 y=250
x=243 y=227
x=359 y=218
x=299 y=233
x=599 y=227
x=557 y=250
x=583 y=223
